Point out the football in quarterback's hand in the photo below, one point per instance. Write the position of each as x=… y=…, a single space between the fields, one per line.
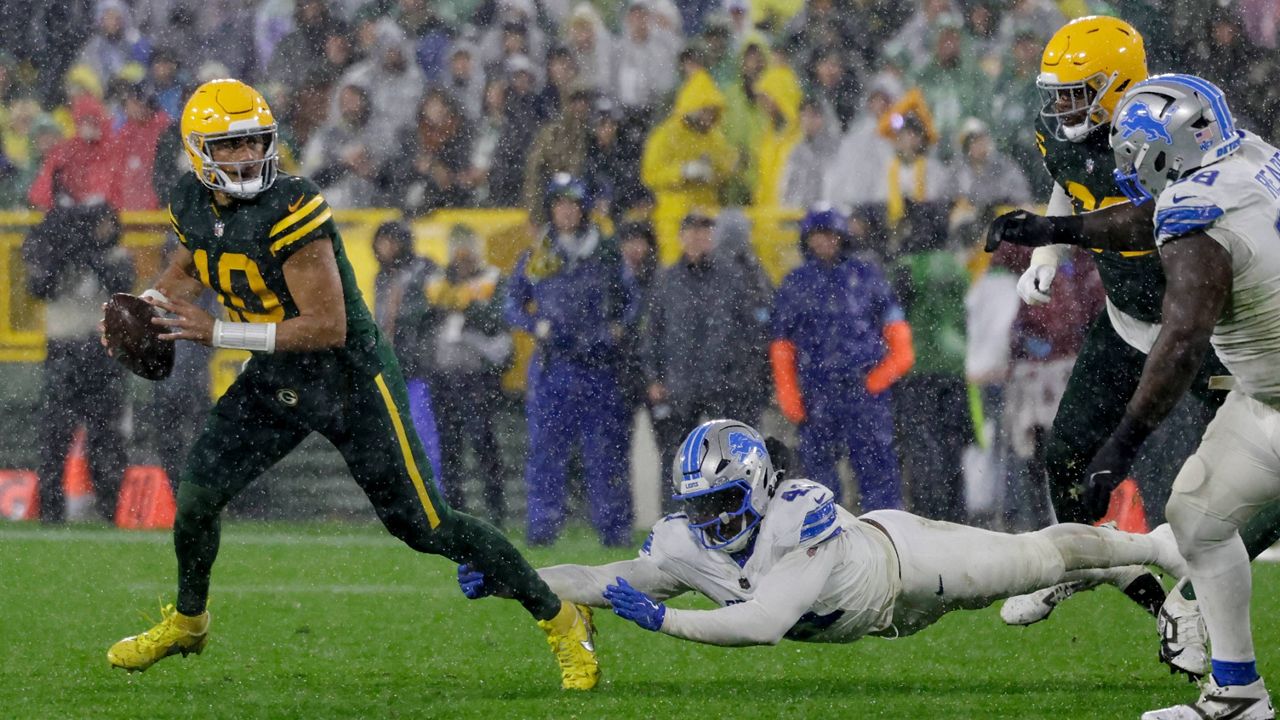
x=132 y=338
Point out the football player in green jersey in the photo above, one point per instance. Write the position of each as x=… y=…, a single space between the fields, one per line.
x=267 y=244
x=1086 y=68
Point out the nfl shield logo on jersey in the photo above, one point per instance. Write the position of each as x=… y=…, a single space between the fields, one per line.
x=218 y=227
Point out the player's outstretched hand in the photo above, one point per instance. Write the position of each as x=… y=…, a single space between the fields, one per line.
x=472 y=583
x=631 y=604
x=1019 y=227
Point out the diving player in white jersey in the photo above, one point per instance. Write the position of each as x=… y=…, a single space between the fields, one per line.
x=784 y=561
x=1217 y=226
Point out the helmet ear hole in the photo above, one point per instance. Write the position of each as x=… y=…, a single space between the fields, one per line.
x=1159 y=162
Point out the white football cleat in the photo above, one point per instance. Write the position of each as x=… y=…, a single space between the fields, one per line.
x=1233 y=702
x=1135 y=581
x=1033 y=607
x=1183 y=636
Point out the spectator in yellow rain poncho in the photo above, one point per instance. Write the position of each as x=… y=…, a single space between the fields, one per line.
x=687 y=160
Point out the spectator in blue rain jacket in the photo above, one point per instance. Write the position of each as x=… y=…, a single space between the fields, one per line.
x=840 y=341
x=568 y=291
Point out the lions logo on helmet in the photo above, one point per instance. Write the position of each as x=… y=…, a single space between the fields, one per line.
x=230 y=113
x=1167 y=127
x=742 y=445
x=725 y=478
x=1137 y=116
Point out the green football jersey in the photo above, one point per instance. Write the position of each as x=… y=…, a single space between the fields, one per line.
x=1134 y=281
x=240 y=251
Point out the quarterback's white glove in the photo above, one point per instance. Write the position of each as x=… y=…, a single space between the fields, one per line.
x=1034 y=285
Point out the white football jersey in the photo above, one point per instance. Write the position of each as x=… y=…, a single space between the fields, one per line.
x=806 y=547
x=1237 y=203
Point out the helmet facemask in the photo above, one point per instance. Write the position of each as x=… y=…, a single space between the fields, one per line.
x=722 y=517
x=1080 y=109
x=1128 y=179
x=241 y=179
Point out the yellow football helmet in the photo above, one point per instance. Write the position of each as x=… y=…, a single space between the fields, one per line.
x=1085 y=70
x=232 y=113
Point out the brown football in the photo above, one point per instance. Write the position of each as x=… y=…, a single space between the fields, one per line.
x=133 y=340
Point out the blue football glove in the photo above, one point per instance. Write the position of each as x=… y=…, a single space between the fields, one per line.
x=631 y=604
x=472 y=582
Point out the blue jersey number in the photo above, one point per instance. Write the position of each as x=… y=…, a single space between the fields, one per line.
x=1205 y=178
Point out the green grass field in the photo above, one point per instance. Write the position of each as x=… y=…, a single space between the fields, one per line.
x=339 y=621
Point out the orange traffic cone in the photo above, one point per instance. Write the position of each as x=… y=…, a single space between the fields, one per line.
x=1126 y=508
x=146 y=500
x=77 y=484
x=19 y=496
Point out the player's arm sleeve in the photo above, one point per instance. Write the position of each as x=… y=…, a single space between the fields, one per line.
x=1059 y=203
x=308 y=218
x=585 y=584
x=1194 y=214
x=1059 y=206
x=786 y=593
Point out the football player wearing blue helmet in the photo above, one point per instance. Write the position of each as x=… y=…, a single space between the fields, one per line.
x=1216 y=194
x=1086 y=68
x=783 y=560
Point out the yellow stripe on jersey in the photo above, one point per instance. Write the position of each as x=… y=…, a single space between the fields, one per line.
x=432 y=517
x=296 y=217
x=1125 y=253
x=285 y=241
x=173 y=222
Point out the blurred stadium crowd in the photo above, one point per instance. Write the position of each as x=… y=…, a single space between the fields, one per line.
x=906 y=125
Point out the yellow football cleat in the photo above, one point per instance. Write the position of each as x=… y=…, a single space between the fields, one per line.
x=175 y=633
x=570 y=635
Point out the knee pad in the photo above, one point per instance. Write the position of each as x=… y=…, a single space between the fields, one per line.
x=1195 y=523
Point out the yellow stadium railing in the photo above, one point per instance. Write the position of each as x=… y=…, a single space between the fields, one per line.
x=503 y=233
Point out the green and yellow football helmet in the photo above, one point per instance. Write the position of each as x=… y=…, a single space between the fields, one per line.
x=1085 y=70
x=232 y=112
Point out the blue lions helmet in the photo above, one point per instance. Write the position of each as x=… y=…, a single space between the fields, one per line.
x=725 y=479
x=823 y=216
x=1167 y=127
